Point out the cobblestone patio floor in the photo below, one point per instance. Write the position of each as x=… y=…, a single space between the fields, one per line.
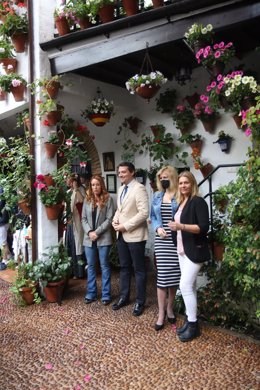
x=89 y=347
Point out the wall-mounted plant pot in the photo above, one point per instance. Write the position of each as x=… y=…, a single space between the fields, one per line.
x=206 y=169
x=217 y=69
x=197 y=144
x=51 y=149
x=247 y=102
x=3 y=96
x=147 y=91
x=52 y=88
x=48 y=180
x=106 y=13
x=54 y=117
x=99 y=119
x=209 y=126
x=19 y=41
x=62 y=25
x=53 y=211
x=224 y=144
x=9 y=65
x=130 y=7
x=198 y=44
x=193 y=99
x=18 y=92
x=238 y=121
x=24 y=205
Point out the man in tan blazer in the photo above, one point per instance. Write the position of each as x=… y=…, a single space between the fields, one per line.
x=130 y=223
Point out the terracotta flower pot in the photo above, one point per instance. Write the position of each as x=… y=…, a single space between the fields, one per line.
x=18 y=92
x=84 y=23
x=197 y=144
x=54 y=117
x=19 y=41
x=48 y=180
x=106 y=13
x=62 y=25
x=147 y=91
x=9 y=65
x=238 y=121
x=209 y=125
x=3 y=95
x=99 y=119
x=247 y=102
x=27 y=123
x=53 y=291
x=219 y=250
x=130 y=7
x=53 y=211
x=27 y=295
x=51 y=149
x=206 y=169
x=52 y=89
x=157 y=3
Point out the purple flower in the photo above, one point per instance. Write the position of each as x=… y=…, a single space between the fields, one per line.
x=248 y=132
x=16 y=83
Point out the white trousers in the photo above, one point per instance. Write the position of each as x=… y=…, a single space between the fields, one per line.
x=189 y=273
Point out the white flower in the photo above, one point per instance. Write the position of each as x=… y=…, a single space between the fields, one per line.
x=2 y=141
x=2 y=50
x=209 y=27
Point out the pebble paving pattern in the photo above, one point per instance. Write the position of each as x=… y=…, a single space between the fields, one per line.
x=90 y=347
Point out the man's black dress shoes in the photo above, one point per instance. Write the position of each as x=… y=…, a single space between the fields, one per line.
x=121 y=303
x=138 y=309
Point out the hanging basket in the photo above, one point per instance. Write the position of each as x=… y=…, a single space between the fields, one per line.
x=53 y=211
x=18 y=92
x=99 y=119
x=9 y=65
x=19 y=41
x=147 y=91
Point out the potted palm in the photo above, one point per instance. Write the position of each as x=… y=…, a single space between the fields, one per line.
x=146 y=85
x=52 y=271
x=224 y=141
x=7 y=57
x=99 y=110
x=50 y=196
x=183 y=118
x=15 y=26
x=24 y=286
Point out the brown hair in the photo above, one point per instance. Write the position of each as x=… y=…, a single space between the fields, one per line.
x=194 y=186
x=173 y=177
x=104 y=195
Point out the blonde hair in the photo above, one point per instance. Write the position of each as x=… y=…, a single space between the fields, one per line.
x=173 y=177
x=194 y=186
x=104 y=195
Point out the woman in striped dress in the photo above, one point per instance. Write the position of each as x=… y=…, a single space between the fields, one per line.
x=163 y=209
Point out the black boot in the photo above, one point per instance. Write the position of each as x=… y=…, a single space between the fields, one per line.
x=191 y=332
x=182 y=328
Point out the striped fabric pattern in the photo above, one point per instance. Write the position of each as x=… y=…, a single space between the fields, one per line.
x=167 y=261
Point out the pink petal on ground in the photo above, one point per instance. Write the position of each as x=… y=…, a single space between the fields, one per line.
x=87 y=378
x=48 y=366
x=77 y=363
x=81 y=346
x=77 y=387
x=66 y=331
x=174 y=327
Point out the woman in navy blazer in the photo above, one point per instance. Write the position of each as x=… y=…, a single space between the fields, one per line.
x=189 y=230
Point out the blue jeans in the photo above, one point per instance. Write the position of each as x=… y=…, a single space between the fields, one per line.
x=91 y=255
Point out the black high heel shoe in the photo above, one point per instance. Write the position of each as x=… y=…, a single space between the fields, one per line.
x=158 y=327
x=172 y=320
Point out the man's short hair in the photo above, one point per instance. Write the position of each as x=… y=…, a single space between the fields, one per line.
x=127 y=164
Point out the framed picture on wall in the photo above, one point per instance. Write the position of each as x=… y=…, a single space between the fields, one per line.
x=111 y=183
x=109 y=161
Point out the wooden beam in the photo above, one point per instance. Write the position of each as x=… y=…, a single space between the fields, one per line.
x=115 y=47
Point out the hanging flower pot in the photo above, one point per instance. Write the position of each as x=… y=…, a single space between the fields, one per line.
x=224 y=141
x=193 y=99
x=196 y=144
x=53 y=211
x=18 y=92
x=217 y=68
x=238 y=121
x=53 y=117
x=62 y=25
x=209 y=125
x=19 y=41
x=131 y=7
x=206 y=169
x=9 y=65
x=48 y=179
x=147 y=91
x=99 y=119
x=247 y=102
x=106 y=13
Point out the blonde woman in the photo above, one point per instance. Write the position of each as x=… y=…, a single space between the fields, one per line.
x=190 y=227
x=97 y=214
x=164 y=206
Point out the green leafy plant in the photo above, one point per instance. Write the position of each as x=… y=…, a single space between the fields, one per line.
x=53 y=138
x=140 y=80
x=251 y=120
x=25 y=278
x=14 y=23
x=21 y=117
x=166 y=101
x=6 y=48
x=11 y=80
x=223 y=136
x=49 y=195
x=160 y=147
x=80 y=9
x=182 y=116
x=99 y=105
x=48 y=105
x=189 y=138
x=53 y=266
x=95 y=6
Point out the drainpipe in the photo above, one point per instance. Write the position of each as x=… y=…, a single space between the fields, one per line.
x=31 y=132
